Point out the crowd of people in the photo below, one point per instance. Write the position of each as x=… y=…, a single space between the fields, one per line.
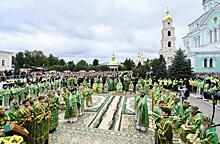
x=33 y=104
x=173 y=114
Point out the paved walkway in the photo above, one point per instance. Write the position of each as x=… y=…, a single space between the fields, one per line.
x=206 y=107
x=109 y=121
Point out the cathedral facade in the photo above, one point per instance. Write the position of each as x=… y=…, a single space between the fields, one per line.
x=202 y=42
x=168 y=41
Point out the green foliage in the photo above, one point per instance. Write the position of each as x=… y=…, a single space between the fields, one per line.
x=71 y=65
x=181 y=66
x=158 y=67
x=82 y=63
x=139 y=65
x=162 y=71
x=146 y=65
x=128 y=64
x=19 y=60
x=52 y=60
x=95 y=62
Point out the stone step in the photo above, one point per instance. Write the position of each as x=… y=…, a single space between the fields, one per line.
x=98 y=118
x=118 y=116
x=109 y=115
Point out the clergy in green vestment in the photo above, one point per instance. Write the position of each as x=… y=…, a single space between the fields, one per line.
x=25 y=119
x=131 y=87
x=138 y=87
x=176 y=108
x=41 y=121
x=100 y=87
x=119 y=87
x=115 y=82
x=157 y=115
x=13 y=111
x=165 y=132
x=183 y=115
x=54 y=108
x=4 y=120
x=65 y=93
x=71 y=113
x=126 y=83
x=31 y=89
x=88 y=94
x=205 y=134
x=142 y=116
x=110 y=84
x=95 y=87
x=81 y=99
x=192 y=124
x=146 y=88
x=106 y=87
x=23 y=94
x=6 y=96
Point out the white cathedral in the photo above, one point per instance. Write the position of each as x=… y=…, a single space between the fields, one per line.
x=168 y=41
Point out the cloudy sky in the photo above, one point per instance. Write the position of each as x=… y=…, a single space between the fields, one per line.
x=88 y=29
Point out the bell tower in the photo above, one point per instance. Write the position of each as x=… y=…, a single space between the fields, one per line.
x=168 y=40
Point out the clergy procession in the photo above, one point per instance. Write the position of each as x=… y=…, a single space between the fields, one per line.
x=31 y=106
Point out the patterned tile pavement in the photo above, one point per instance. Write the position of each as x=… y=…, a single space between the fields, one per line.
x=79 y=133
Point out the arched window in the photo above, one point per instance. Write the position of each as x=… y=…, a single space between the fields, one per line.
x=211 y=62
x=169 y=44
x=216 y=33
x=205 y=62
x=198 y=41
x=169 y=33
x=210 y=36
x=196 y=44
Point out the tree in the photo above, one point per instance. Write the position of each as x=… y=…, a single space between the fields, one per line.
x=19 y=60
x=71 y=65
x=128 y=64
x=52 y=60
x=38 y=58
x=95 y=62
x=139 y=65
x=162 y=71
x=82 y=63
x=62 y=62
x=181 y=66
x=146 y=65
x=27 y=59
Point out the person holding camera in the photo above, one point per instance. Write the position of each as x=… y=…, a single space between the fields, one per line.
x=184 y=93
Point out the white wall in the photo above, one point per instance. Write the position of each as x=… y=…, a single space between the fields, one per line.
x=7 y=57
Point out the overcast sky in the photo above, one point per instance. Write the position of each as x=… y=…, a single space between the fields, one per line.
x=88 y=29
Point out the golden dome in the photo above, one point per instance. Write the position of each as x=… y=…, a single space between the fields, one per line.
x=167 y=17
x=113 y=62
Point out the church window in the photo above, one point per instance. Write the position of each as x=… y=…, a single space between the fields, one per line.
x=215 y=19
x=169 y=44
x=3 y=62
x=198 y=41
x=210 y=36
x=205 y=62
x=211 y=62
x=216 y=33
x=169 y=33
x=196 y=44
